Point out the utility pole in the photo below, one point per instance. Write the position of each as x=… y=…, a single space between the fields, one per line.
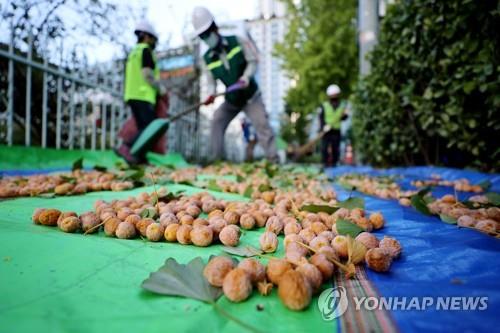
x=367 y=32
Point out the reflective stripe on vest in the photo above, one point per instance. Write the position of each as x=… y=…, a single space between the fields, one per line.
x=333 y=116
x=228 y=68
x=229 y=56
x=136 y=87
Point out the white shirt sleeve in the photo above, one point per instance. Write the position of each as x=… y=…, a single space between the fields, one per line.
x=251 y=56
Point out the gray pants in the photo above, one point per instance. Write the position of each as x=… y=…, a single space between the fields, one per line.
x=256 y=112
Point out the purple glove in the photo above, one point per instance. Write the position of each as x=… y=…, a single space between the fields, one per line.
x=240 y=84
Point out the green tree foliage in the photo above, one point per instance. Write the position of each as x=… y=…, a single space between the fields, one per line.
x=433 y=94
x=319 y=49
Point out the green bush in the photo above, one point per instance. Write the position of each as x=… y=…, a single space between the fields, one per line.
x=433 y=96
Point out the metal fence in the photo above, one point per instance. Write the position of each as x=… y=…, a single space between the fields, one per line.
x=52 y=105
x=181 y=75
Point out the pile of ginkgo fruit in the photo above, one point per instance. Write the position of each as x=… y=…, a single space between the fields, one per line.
x=313 y=246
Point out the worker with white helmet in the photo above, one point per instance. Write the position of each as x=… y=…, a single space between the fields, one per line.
x=142 y=85
x=233 y=61
x=331 y=113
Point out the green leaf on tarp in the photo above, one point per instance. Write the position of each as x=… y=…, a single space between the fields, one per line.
x=248 y=168
x=212 y=185
x=319 y=208
x=419 y=204
x=470 y=204
x=422 y=192
x=351 y=203
x=270 y=169
x=66 y=179
x=485 y=184
x=169 y=196
x=77 y=165
x=428 y=199
x=346 y=227
x=120 y=165
x=186 y=182
x=347 y=186
x=133 y=174
x=21 y=181
x=50 y=195
x=283 y=183
x=100 y=168
x=148 y=213
x=243 y=251
x=248 y=192
x=265 y=187
x=184 y=280
x=169 y=166
x=493 y=198
x=240 y=178
x=447 y=219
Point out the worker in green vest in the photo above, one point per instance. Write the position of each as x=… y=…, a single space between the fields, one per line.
x=142 y=85
x=331 y=113
x=233 y=61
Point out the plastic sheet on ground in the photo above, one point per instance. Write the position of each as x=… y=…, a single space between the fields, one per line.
x=56 y=282
x=23 y=161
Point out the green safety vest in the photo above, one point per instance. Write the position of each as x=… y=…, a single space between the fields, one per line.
x=136 y=87
x=333 y=116
x=237 y=65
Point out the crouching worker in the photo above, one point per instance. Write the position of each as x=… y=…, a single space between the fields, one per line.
x=233 y=61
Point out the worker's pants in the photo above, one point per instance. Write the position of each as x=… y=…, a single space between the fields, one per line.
x=256 y=112
x=144 y=114
x=330 y=148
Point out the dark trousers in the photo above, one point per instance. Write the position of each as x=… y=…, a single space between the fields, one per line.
x=330 y=148
x=144 y=114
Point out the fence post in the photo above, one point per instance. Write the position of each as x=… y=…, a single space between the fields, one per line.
x=27 y=120
x=94 y=125
x=59 y=101
x=44 y=105
x=113 y=107
x=72 y=115
x=10 y=92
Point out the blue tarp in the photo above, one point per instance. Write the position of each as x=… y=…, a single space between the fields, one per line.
x=9 y=173
x=439 y=260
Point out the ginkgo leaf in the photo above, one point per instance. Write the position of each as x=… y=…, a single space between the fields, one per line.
x=319 y=208
x=148 y=213
x=447 y=219
x=418 y=202
x=493 y=198
x=212 y=186
x=243 y=251
x=184 y=280
x=77 y=165
x=351 y=203
x=248 y=192
x=345 y=227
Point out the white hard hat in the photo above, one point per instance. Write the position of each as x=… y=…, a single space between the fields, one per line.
x=202 y=19
x=145 y=26
x=333 y=90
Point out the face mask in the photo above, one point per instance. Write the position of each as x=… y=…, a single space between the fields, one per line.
x=212 y=40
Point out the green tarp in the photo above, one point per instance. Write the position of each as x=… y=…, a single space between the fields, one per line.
x=56 y=282
x=32 y=158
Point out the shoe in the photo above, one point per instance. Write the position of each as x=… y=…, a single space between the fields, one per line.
x=124 y=152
